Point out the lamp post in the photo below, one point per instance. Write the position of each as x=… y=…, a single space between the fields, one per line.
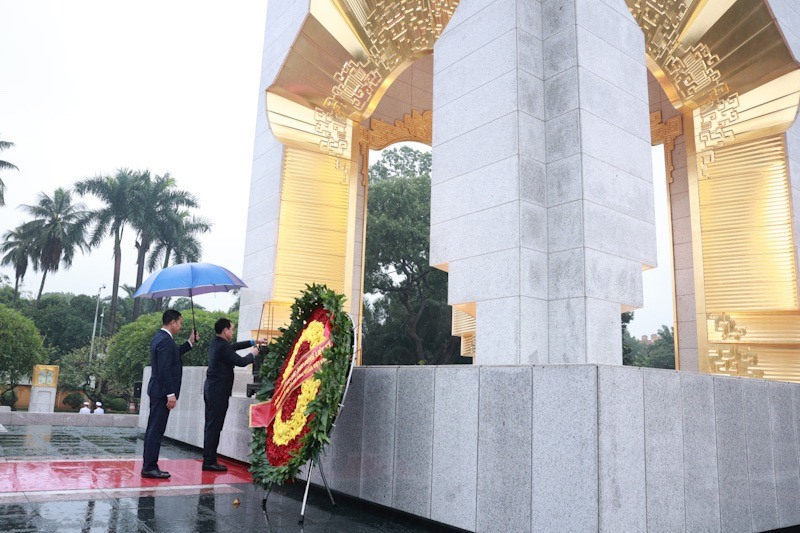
x=94 y=328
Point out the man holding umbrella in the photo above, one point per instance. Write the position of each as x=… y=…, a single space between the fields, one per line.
x=164 y=387
x=222 y=357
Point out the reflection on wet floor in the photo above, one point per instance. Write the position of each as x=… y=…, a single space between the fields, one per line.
x=54 y=442
x=208 y=511
x=198 y=505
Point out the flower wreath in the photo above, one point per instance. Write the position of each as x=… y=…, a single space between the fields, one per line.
x=304 y=372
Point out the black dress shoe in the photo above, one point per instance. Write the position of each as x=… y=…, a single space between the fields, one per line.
x=155 y=474
x=216 y=467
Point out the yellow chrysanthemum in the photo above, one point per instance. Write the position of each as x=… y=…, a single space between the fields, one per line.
x=286 y=430
x=314 y=334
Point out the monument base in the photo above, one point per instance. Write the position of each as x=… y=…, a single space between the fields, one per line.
x=43 y=400
x=552 y=448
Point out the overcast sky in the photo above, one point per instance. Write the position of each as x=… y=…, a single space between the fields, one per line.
x=171 y=86
x=92 y=86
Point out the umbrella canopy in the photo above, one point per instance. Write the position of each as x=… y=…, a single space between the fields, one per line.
x=189 y=279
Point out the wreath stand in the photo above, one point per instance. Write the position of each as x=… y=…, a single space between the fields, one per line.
x=315 y=460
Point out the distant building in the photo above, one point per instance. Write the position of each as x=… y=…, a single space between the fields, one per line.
x=647 y=341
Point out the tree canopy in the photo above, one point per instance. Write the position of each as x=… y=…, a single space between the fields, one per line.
x=406 y=316
x=658 y=354
x=20 y=345
x=65 y=322
x=57 y=230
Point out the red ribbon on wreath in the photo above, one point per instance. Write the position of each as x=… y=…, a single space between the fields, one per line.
x=306 y=362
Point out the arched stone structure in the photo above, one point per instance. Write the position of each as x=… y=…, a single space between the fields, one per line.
x=541 y=199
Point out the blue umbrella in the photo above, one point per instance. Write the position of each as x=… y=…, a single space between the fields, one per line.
x=189 y=279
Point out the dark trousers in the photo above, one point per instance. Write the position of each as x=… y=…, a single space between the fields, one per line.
x=156 y=425
x=216 y=407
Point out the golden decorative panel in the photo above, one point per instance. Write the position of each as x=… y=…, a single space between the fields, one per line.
x=414 y=127
x=665 y=133
x=746 y=227
x=45 y=376
x=464 y=327
x=755 y=345
x=726 y=66
x=313 y=229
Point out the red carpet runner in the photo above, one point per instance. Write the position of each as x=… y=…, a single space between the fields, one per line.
x=103 y=474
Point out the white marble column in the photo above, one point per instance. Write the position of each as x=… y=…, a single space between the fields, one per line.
x=542 y=183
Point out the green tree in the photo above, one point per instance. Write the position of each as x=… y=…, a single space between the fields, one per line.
x=57 y=230
x=178 y=241
x=65 y=321
x=661 y=354
x=116 y=193
x=5 y=165
x=408 y=320
x=158 y=203
x=633 y=350
x=20 y=346
x=83 y=371
x=18 y=249
x=129 y=351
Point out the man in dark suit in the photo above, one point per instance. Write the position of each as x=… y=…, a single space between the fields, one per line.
x=222 y=357
x=164 y=387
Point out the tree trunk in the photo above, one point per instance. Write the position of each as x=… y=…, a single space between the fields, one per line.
x=41 y=287
x=160 y=301
x=16 y=288
x=115 y=285
x=411 y=331
x=142 y=246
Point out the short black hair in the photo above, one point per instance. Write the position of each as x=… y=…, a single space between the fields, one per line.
x=170 y=315
x=221 y=324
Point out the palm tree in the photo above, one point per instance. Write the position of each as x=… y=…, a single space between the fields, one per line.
x=157 y=204
x=58 y=228
x=5 y=165
x=116 y=192
x=18 y=249
x=178 y=240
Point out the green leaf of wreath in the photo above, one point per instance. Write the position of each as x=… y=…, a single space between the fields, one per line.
x=332 y=375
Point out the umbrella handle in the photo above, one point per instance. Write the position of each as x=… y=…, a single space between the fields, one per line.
x=194 y=326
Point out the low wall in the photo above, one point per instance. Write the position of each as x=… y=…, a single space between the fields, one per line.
x=556 y=448
x=21 y=418
x=187 y=419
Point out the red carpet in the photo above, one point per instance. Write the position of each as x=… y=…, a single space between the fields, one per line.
x=79 y=474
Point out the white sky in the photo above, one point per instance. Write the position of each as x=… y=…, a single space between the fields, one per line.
x=658 y=282
x=92 y=86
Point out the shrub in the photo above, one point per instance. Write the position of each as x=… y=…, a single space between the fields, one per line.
x=117 y=404
x=73 y=399
x=9 y=398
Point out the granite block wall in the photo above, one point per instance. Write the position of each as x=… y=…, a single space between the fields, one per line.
x=554 y=448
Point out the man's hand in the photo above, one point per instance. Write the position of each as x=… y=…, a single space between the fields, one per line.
x=254 y=350
x=262 y=340
x=172 y=401
x=193 y=337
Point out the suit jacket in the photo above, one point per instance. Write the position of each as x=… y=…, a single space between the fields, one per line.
x=222 y=357
x=166 y=365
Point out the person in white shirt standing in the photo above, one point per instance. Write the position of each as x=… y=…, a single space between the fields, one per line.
x=85 y=409
x=98 y=410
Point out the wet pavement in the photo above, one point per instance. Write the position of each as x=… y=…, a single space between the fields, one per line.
x=86 y=479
